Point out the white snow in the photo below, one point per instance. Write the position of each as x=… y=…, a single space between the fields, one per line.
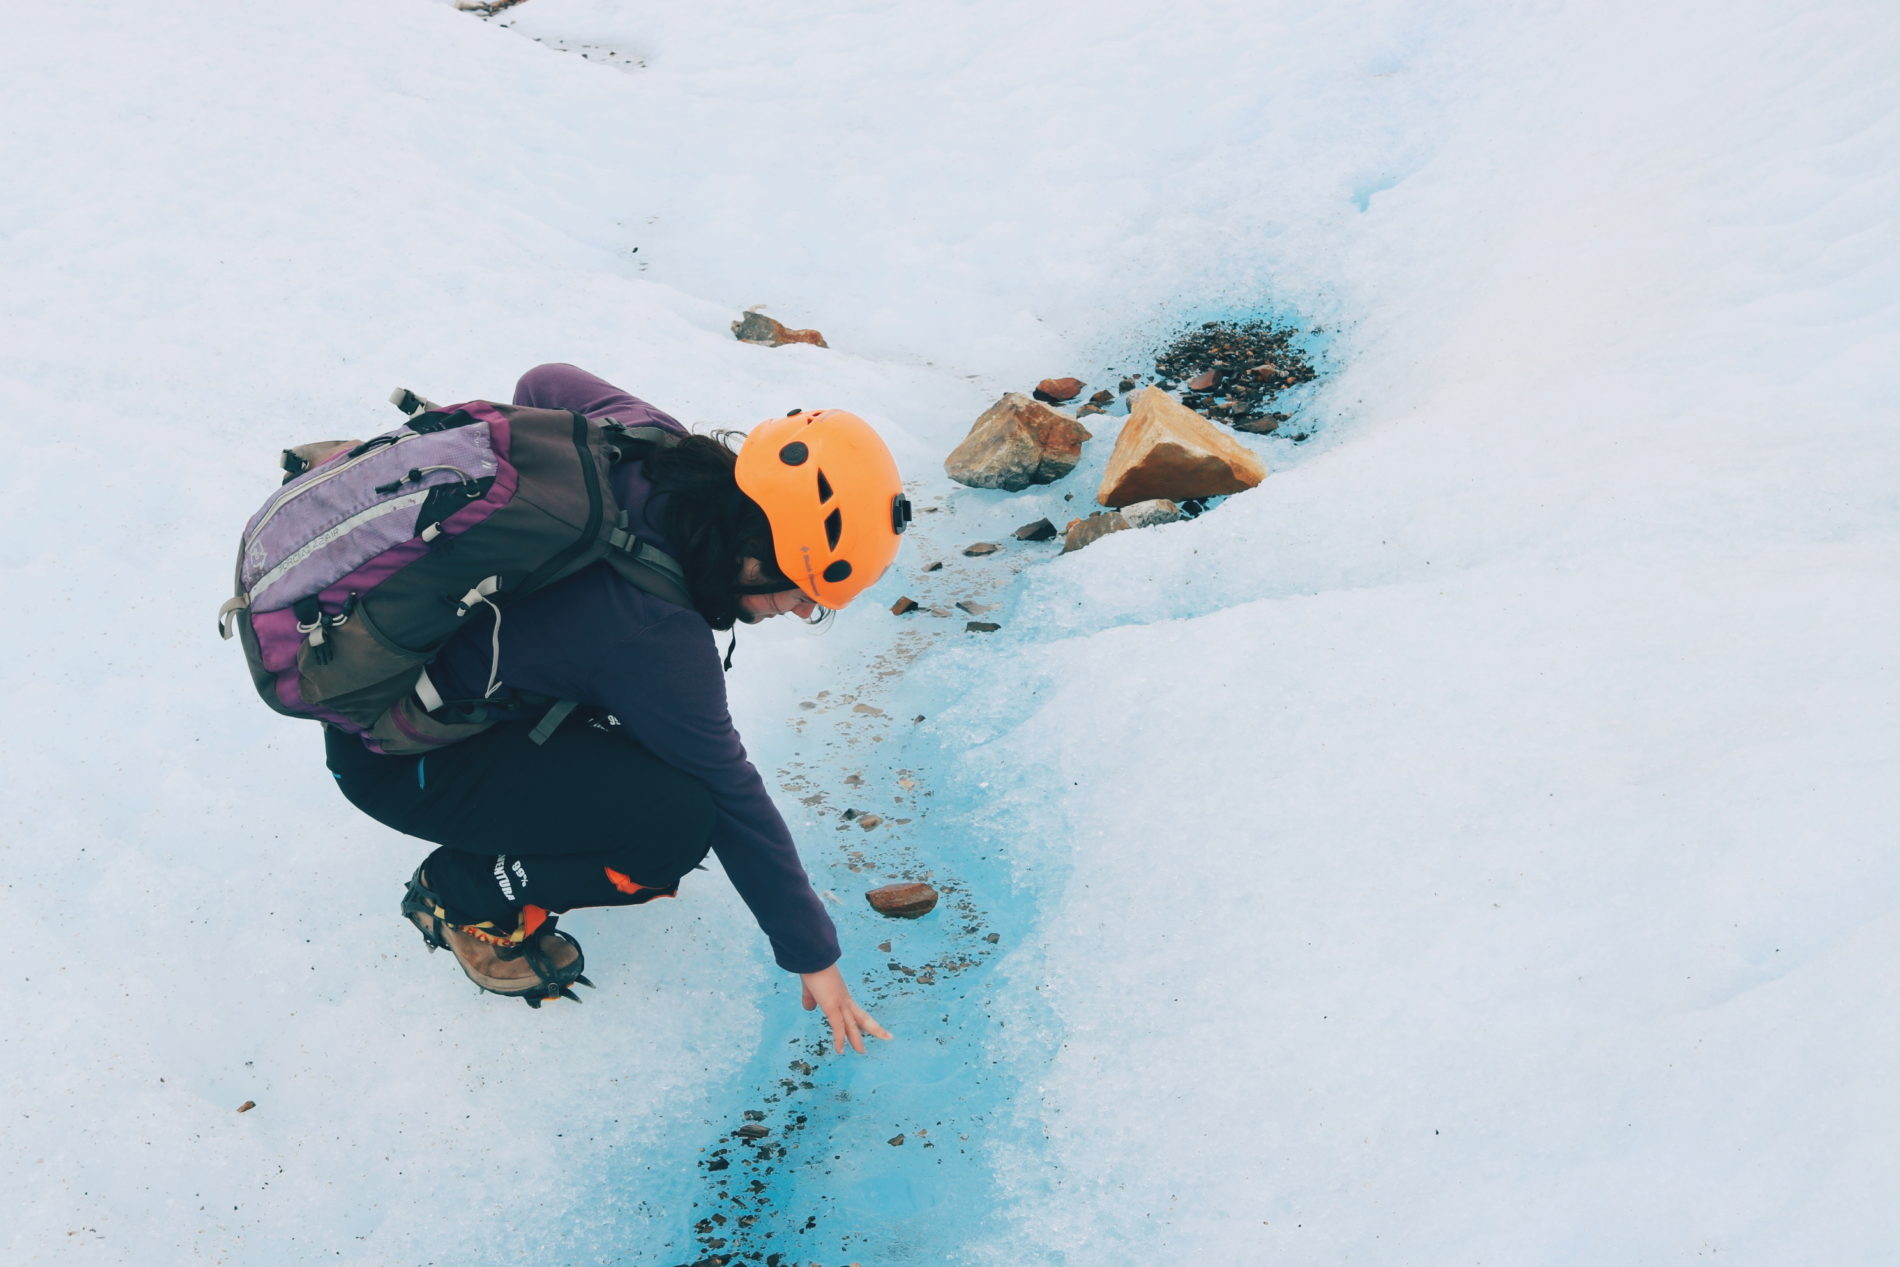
x=1474 y=845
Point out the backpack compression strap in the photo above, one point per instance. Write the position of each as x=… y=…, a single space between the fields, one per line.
x=640 y=563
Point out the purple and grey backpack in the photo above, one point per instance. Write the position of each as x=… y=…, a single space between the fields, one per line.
x=372 y=554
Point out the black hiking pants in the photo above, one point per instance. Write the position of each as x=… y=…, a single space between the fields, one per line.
x=590 y=818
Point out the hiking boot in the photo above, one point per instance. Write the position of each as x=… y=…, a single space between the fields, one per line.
x=532 y=961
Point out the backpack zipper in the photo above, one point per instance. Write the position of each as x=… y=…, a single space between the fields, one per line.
x=323 y=539
x=291 y=494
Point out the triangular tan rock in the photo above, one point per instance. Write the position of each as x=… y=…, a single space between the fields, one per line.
x=1167 y=450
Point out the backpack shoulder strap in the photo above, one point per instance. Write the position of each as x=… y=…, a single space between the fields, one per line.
x=630 y=444
x=645 y=565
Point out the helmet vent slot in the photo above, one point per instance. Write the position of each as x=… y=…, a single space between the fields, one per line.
x=824 y=490
x=834 y=528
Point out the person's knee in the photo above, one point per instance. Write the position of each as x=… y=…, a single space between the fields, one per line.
x=678 y=834
x=696 y=814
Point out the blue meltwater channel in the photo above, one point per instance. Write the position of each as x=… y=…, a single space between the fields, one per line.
x=886 y=1158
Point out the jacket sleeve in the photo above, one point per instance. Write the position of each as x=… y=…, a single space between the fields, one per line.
x=670 y=694
x=569 y=387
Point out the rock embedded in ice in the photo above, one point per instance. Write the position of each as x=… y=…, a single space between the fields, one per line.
x=975 y=608
x=1149 y=513
x=1057 y=390
x=1266 y=424
x=1041 y=530
x=1082 y=532
x=752 y=1130
x=1015 y=443
x=1202 y=381
x=903 y=605
x=1168 y=450
x=1089 y=409
x=904 y=900
x=756 y=327
x=1103 y=397
x=980 y=549
x=980 y=626
x=870 y=821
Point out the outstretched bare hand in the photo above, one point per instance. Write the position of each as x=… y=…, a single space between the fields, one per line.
x=849 y=1022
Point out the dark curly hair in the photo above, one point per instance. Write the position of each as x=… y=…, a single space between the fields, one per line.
x=712 y=526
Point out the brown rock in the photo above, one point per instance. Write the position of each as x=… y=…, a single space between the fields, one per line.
x=1086 y=410
x=981 y=548
x=935 y=567
x=906 y=900
x=1041 y=530
x=1202 y=381
x=980 y=626
x=1082 y=532
x=1264 y=373
x=247 y=1106
x=756 y=327
x=1260 y=426
x=1057 y=390
x=870 y=822
x=1015 y=443
x=903 y=605
x=1126 y=385
x=752 y=1130
x=1102 y=397
x=1168 y=450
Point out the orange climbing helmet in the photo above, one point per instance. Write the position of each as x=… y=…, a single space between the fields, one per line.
x=830 y=489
